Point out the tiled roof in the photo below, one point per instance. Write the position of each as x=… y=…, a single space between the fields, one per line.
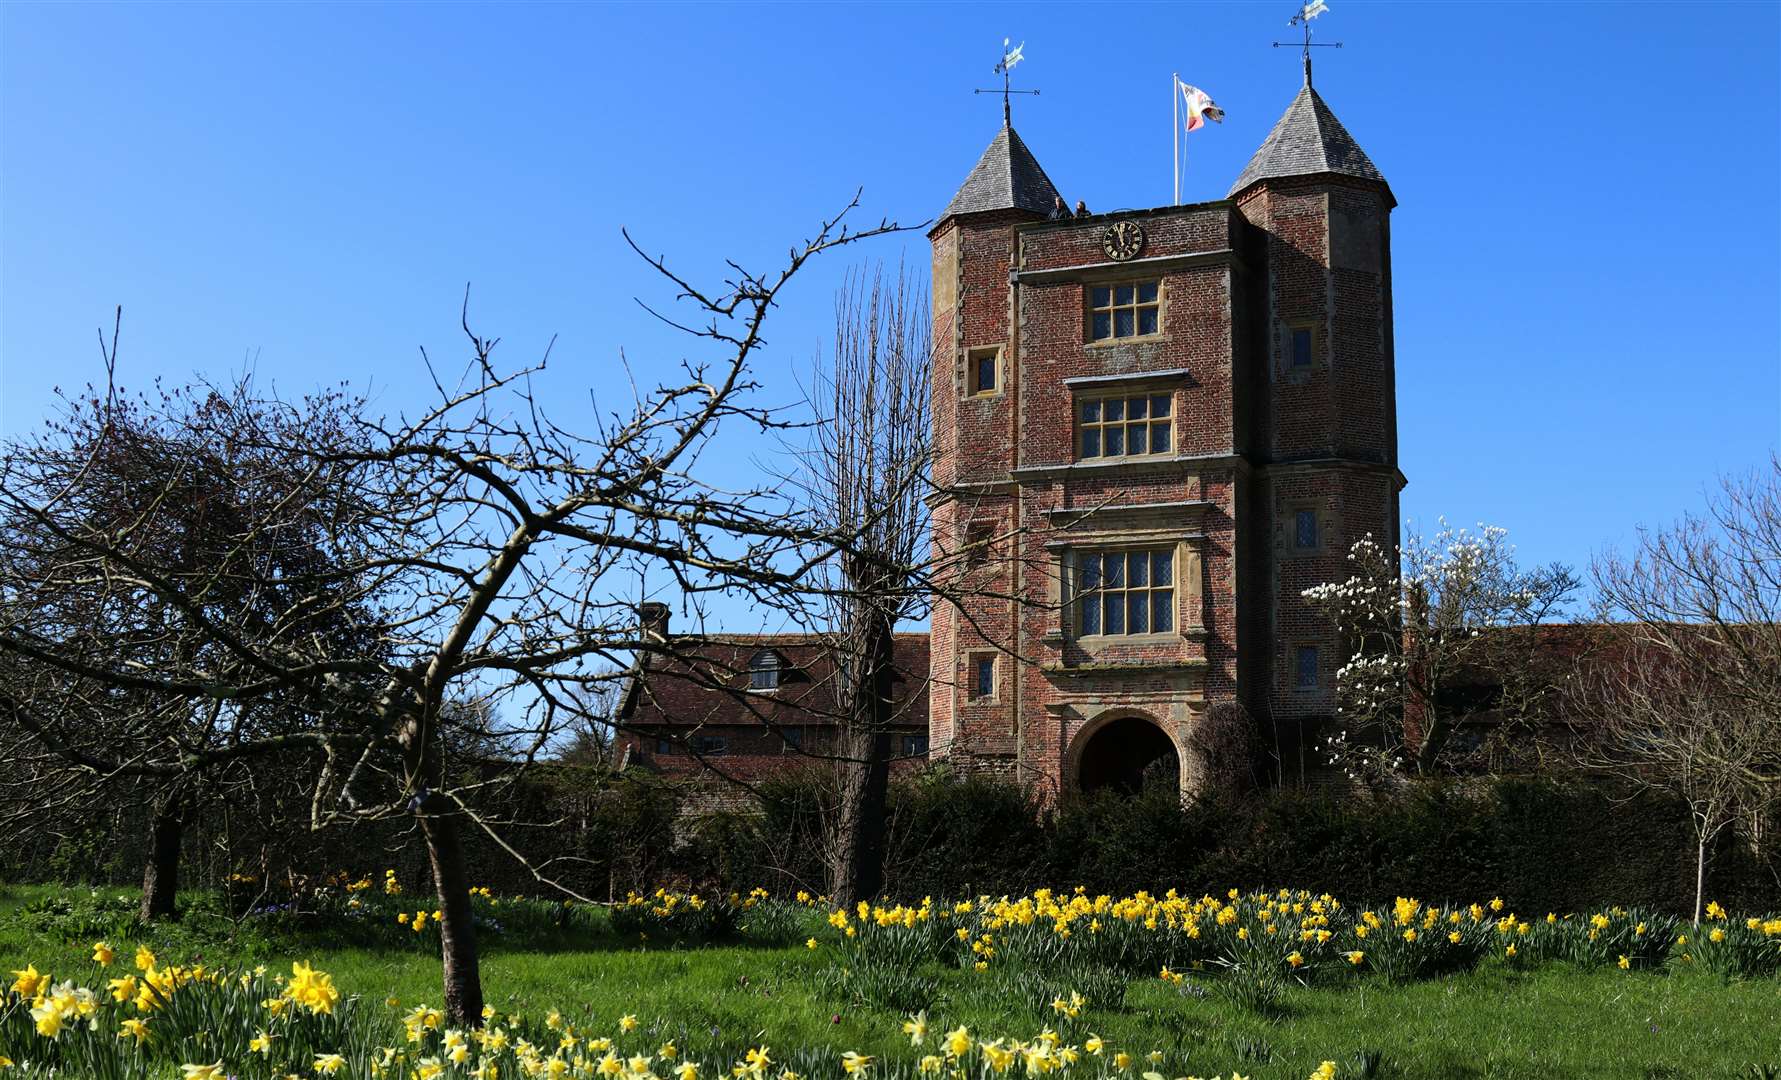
x=1306 y=141
x=707 y=683
x=1007 y=177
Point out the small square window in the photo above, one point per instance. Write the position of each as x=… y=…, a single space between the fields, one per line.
x=1305 y=529
x=985 y=370
x=664 y=747
x=793 y=736
x=983 y=677
x=915 y=746
x=711 y=745
x=1301 y=347
x=1123 y=311
x=1305 y=668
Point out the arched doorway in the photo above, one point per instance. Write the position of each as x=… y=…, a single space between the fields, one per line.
x=1125 y=755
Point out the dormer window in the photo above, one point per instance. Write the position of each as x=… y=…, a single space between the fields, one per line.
x=763 y=670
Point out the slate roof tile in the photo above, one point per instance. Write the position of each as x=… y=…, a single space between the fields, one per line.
x=1007 y=177
x=1307 y=140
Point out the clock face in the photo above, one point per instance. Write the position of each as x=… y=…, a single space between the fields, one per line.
x=1123 y=240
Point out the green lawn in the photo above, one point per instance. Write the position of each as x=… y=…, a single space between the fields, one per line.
x=1492 y=1022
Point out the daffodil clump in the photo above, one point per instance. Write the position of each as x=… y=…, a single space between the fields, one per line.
x=669 y=917
x=1284 y=933
x=114 y=1020
x=201 y=1024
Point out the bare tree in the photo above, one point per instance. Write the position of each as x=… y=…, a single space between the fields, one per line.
x=1692 y=704
x=1444 y=610
x=492 y=555
x=867 y=478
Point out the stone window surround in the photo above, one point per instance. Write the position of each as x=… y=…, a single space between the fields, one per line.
x=1189 y=586
x=1289 y=527
x=976 y=541
x=968 y=384
x=972 y=656
x=1316 y=683
x=1287 y=328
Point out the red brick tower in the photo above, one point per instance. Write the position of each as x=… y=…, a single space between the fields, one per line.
x=1329 y=434
x=1139 y=416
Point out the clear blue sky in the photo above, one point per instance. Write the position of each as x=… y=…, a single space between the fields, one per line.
x=1587 y=246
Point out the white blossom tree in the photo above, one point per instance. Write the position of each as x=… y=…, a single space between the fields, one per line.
x=1441 y=632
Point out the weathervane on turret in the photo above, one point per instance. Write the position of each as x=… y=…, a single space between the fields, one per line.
x=1011 y=55
x=1311 y=10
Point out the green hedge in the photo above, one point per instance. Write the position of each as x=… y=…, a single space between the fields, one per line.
x=1540 y=844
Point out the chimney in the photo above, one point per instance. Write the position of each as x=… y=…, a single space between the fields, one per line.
x=653 y=618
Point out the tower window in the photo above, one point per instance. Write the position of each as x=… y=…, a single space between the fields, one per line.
x=1125 y=426
x=763 y=670
x=1123 y=311
x=1125 y=592
x=983 y=678
x=1305 y=529
x=1303 y=342
x=792 y=736
x=985 y=370
x=979 y=535
x=1305 y=668
x=915 y=746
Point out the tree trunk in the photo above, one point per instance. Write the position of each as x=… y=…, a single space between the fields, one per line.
x=440 y=824
x=160 y=873
x=856 y=855
x=457 y=931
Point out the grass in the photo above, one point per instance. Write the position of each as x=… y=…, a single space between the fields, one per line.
x=1497 y=1022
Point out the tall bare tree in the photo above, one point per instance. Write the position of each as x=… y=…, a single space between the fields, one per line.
x=1691 y=704
x=867 y=479
x=491 y=554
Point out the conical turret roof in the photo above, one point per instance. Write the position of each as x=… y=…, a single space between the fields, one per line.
x=1306 y=141
x=1007 y=177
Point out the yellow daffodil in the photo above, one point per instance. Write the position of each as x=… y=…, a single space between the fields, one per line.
x=202 y=1072
x=627 y=1023
x=133 y=1028
x=855 y=1064
x=916 y=1027
x=329 y=1064
x=27 y=981
x=103 y=954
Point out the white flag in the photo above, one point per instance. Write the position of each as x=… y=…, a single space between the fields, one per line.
x=1200 y=107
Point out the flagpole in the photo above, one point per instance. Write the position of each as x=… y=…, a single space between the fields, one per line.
x=1175 y=99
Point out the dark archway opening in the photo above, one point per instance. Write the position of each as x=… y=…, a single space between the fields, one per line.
x=1127 y=755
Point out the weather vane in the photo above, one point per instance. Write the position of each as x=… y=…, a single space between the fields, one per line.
x=1011 y=55
x=1311 y=10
